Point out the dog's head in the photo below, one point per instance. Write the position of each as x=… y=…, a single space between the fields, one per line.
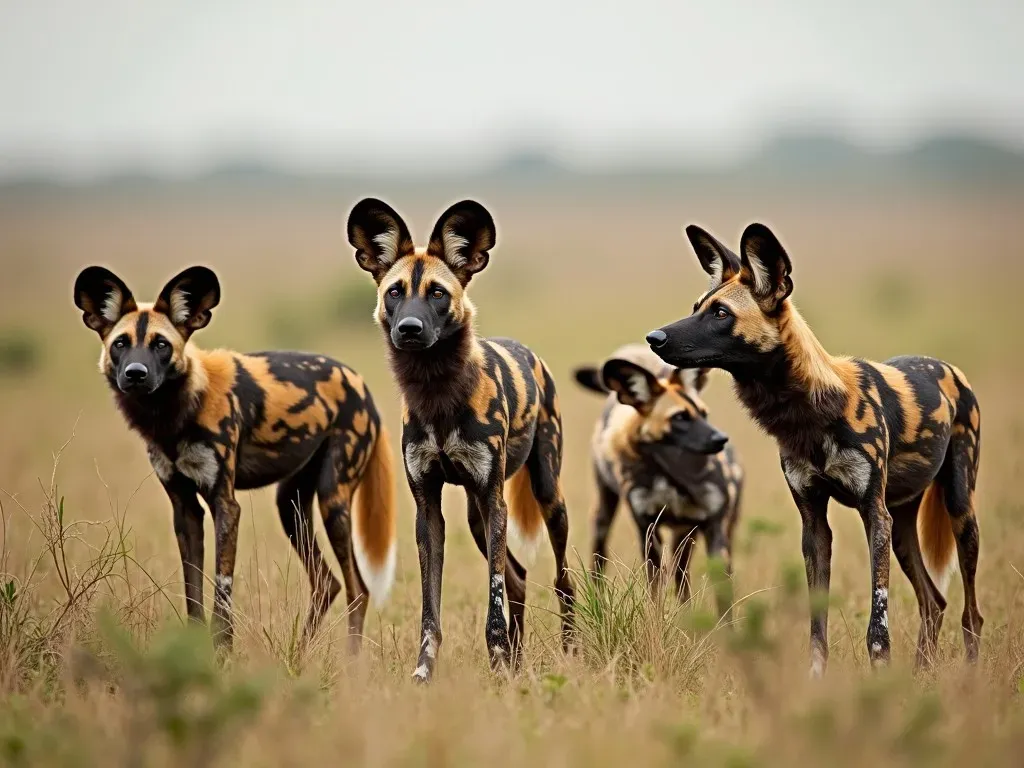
x=421 y=293
x=671 y=418
x=737 y=323
x=144 y=345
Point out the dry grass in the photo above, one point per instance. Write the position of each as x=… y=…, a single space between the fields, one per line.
x=94 y=663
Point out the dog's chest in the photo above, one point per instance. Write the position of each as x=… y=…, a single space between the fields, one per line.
x=662 y=499
x=847 y=471
x=459 y=458
x=196 y=461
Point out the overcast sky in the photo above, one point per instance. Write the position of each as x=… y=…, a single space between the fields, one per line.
x=89 y=86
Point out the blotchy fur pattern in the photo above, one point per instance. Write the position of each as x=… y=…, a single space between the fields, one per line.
x=220 y=421
x=478 y=413
x=899 y=441
x=701 y=495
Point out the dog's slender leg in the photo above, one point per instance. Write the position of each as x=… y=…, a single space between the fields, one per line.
x=878 y=526
x=226 y=514
x=515 y=579
x=498 y=644
x=188 y=529
x=607 y=503
x=817 y=549
x=426 y=491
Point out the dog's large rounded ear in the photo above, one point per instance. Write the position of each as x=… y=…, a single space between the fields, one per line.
x=103 y=298
x=379 y=236
x=691 y=379
x=463 y=238
x=188 y=299
x=632 y=384
x=589 y=377
x=766 y=266
x=718 y=261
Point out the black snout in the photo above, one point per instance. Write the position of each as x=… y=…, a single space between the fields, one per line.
x=717 y=441
x=657 y=338
x=136 y=373
x=410 y=327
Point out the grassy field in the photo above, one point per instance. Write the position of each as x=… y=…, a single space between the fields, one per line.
x=94 y=664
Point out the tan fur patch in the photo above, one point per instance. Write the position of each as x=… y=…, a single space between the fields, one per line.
x=280 y=396
x=812 y=365
x=853 y=404
x=898 y=382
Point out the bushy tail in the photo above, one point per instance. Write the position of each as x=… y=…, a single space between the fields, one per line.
x=373 y=522
x=935 y=532
x=525 y=517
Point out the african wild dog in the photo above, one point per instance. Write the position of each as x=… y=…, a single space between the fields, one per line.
x=654 y=446
x=898 y=441
x=480 y=413
x=218 y=421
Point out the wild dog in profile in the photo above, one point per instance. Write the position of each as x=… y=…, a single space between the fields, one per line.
x=654 y=446
x=480 y=413
x=216 y=422
x=899 y=440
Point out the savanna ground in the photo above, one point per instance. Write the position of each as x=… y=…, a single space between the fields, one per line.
x=94 y=664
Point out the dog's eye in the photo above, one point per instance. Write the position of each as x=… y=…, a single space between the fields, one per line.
x=120 y=343
x=438 y=293
x=394 y=293
x=161 y=345
x=682 y=416
x=721 y=313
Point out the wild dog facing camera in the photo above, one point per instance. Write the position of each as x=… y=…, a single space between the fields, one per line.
x=421 y=295
x=144 y=347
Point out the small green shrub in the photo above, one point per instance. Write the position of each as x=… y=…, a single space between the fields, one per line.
x=19 y=353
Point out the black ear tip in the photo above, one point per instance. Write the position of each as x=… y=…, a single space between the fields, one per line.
x=367 y=207
x=368 y=203
x=94 y=278
x=757 y=229
x=202 y=274
x=474 y=209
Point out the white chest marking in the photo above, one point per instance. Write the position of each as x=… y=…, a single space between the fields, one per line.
x=847 y=466
x=199 y=463
x=474 y=457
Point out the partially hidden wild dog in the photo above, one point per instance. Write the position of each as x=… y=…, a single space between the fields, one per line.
x=479 y=413
x=654 y=447
x=216 y=422
x=899 y=441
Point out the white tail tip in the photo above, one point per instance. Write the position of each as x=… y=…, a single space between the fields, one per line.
x=377 y=578
x=522 y=545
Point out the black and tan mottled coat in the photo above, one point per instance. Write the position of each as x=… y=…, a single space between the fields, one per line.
x=653 y=447
x=899 y=441
x=479 y=413
x=216 y=422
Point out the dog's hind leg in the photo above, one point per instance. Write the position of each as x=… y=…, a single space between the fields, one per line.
x=544 y=465
x=295 y=508
x=607 y=504
x=957 y=479
x=930 y=601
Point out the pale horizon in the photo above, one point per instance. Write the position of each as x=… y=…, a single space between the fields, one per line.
x=113 y=86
